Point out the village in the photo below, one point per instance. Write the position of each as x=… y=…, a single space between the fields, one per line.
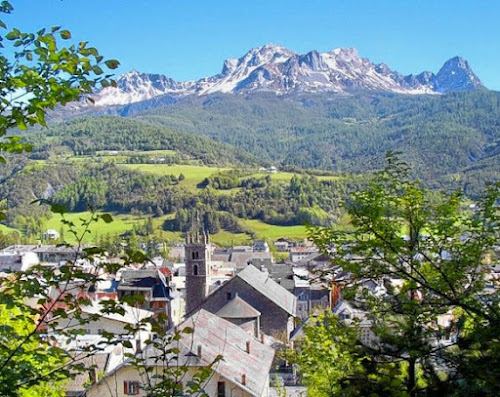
x=242 y=306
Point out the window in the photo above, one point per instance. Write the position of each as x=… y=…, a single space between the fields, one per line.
x=195 y=255
x=195 y=270
x=228 y=296
x=221 y=389
x=131 y=388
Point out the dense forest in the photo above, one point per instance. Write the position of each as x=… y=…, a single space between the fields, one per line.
x=443 y=137
x=451 y=141
x=87 y=136
x=304 y=199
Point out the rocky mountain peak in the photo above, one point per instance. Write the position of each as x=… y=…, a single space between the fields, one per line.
x=456 y=75
x=274 y=68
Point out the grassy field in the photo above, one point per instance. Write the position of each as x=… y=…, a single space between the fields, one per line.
x=121 y=224
x=193 y=174
x=6 y=229
x=227 y=239
x=125 y=222
x=286 y=176
x=272 y=232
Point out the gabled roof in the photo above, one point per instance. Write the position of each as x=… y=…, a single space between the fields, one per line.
x=269 y=288
x=132 y=315
x=218 y=337
x=238 y=308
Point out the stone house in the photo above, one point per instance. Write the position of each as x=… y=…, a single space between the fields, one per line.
x=278 y=307
x=243 y=370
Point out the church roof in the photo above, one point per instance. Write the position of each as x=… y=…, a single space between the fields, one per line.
x=238 y=308
x=269 y=288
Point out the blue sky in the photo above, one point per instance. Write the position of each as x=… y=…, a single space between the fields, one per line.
x=187 y=39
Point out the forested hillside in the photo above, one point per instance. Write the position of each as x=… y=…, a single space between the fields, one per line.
x=442 y=136
x=451 y=141
x=89 y=135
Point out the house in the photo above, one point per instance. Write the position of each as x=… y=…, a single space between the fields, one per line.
x=176 y=252
x=239 y=257
x=155 y=285
x=50 y=234
x=97 y=365
x=243 y=370
x=48 y=254
x=298 y=254
x=349 y=314
x=278 y=307
x=97 y=320
x=260 y=246
x=17 y=261
x=310 y=293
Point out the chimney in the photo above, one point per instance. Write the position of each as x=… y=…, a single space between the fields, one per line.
x=199 y=351
x=248 y=346
x=243 y=379
x=93 y=375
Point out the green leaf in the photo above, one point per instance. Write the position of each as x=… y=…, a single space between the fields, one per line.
x=12 y=35
x=107 y=218
x=65 y=34
x=97 y=70
x=112 y=63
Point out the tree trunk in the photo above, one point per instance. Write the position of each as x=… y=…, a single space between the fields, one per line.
x=412 y=386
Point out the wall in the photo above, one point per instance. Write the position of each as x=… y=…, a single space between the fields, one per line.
x=96 y=327
x=273 y=318
x=112 y=386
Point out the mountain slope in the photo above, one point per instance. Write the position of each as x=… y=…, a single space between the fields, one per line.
x=91 y=134
x=439 y=135
x=276 y=69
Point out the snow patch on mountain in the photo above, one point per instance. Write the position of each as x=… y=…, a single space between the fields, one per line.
x=277 y=69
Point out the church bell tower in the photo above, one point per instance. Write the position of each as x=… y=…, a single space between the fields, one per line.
x=197 y=258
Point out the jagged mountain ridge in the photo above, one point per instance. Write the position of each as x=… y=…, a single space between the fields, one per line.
x=276 y=69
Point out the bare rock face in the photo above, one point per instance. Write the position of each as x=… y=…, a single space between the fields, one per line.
x=273 y=68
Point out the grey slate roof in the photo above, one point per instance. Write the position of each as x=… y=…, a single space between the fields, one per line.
x=218 y=337
x=269 y=288
x=77 y=385
x=238 y=308
x=282 y=273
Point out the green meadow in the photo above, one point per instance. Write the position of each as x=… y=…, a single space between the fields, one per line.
x=265 y=231
x=193 y=174
x=122 y=223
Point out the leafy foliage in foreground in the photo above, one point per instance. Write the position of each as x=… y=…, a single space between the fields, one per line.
x=437 y=321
